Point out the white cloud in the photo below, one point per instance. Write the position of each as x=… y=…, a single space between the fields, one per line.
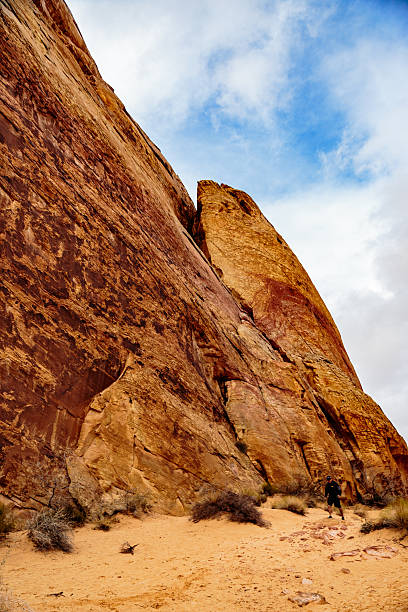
x=168 y=60
x=373 y=90
x=334 y=232
x=356 y=257
x=369 y=82
x=354 y=241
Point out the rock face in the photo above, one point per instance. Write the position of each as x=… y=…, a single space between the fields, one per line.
x=266 y=278
x=132 y=359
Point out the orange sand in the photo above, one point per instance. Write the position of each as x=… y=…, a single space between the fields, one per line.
x=210 y=566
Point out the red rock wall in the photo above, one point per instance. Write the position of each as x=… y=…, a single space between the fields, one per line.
x=125 y=362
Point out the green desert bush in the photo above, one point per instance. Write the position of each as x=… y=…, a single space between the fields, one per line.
x=50 y=530
x=7 y=521
x=260 y=498
x=290 y=502
x=238 y=507
x=395 y=515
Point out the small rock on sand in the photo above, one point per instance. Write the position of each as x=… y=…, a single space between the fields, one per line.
x=347 y=553
x=381 y=552
x=302 y=599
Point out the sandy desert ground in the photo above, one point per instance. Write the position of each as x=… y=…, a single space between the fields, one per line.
x=214 y=566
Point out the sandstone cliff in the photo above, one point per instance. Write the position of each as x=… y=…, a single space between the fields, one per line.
x=130 y=357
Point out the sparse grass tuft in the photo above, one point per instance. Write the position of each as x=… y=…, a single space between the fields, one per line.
x=395 y=515
x=50 y=530
x=258 y=497
x=4 y=601
x=7 y=521
x=238 y=507
x=290 y=502
x=302 y=487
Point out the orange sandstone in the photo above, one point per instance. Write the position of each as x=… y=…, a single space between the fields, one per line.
x=131 y=358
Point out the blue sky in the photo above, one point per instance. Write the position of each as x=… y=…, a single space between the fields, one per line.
x=303 y=104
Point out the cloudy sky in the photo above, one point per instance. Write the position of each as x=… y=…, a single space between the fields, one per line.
x=304 y=105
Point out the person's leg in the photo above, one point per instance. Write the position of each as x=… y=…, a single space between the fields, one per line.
x=337 y=503
x=329 y=508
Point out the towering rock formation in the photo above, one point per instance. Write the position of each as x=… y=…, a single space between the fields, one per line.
x=130 y=358
x=266 y=278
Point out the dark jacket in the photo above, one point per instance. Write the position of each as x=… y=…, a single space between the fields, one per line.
x=332 y=489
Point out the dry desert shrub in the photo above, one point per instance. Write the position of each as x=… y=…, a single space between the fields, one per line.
x=74 y=514
x=398 y=513
x=369 y=526
x=395 y=515
x=137 y=504
x=290 y=502
x=128 y=549
x=383 y=490
x=50 y=530
x=103 y=524
x=238 y=507
x=8 y=603
x=258 y=496
x=7 y=521
x=300 y=486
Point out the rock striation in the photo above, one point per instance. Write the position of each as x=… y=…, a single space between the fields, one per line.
x=141 y=341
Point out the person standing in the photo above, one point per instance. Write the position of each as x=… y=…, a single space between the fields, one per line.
x=332 y=492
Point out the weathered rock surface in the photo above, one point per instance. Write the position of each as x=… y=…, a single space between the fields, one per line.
x=126 y=363
x=265 y=276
